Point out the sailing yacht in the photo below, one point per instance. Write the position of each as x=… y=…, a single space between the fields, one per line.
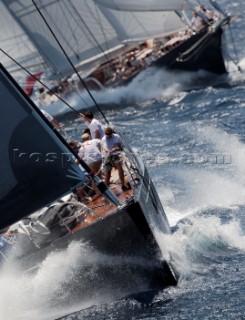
x=48 y=201
x=110 y=42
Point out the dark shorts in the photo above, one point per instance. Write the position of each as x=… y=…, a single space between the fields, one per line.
x=112 y=161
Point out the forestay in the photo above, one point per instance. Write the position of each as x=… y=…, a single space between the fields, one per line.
x=36 y=167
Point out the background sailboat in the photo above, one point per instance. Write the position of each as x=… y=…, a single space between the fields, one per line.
x=111 y=42
x=90 y=34
x=85 y=29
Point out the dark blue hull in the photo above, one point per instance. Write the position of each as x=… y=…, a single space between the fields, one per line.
x=203 y=51
x=126 y=237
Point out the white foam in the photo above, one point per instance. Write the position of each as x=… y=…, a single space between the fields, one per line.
x=29 y=296
x=48 y=292
x=150 y=84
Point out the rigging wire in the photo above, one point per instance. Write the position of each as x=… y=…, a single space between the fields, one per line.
x=73 y=12
x=148 y=185
x=89 y=31
x=236 y=62
x=57 y=27
x=70 y=27
x=69 y=60
x=98 y=20
x=228 y=55
x=140 y=24
x=226 y=15
x=183 y=17
x=38 y=80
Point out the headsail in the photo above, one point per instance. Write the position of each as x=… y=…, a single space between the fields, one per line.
x=87 y=31
x=36 y=167
x=144 y=5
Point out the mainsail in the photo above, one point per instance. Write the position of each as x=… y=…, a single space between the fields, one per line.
x=145 y=25
x=15 y=42
x=36 y=167
x=87 y=31
x=81 y=28
x=145 y=5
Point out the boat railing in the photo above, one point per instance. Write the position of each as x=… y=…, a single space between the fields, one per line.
x=40 y=232
x=78 y=215
x=219 y=23
x=133 y=165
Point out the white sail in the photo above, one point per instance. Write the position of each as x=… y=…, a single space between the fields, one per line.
x=81 y=28
x=144 y=5
x=16 y=44
x=87 y=32
x=145 y=25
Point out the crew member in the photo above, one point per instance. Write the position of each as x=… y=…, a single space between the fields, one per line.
x=95 y=126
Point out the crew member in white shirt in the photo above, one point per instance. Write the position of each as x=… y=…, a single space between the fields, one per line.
x=95 y=126
x=90 y=152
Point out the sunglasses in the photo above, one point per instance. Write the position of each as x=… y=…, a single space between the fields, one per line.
x=108 y=134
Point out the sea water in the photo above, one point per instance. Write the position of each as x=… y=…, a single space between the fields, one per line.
x=193 y=143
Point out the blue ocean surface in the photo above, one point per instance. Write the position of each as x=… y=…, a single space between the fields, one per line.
x=191 y=135
x=195 y=152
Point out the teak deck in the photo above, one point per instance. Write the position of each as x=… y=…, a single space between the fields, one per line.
x=100 y=206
